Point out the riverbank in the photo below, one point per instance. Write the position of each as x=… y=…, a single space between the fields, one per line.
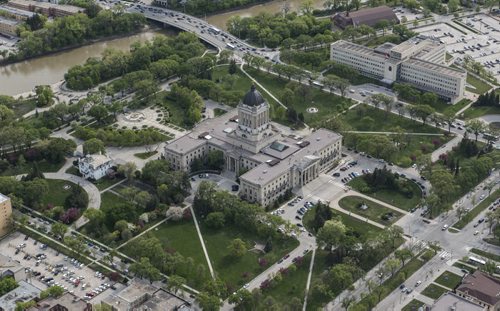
x=147 y=28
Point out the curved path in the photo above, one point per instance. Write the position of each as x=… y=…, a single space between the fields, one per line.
x=489 y=118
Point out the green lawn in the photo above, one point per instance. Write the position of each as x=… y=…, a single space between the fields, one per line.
x=449 y=279
x=475 y=112
x=392 y=197
x=383 y=122
x=181 y=237
x=327 y=104
x=442 y=107
x=487 y=255
x=472 y=214
x=219 y=112
x=434 y=291
x=413 y=305
x=57 y=194
x=145 y=155
x=106 y=182
x=237 y=272
x=44 y=166
x=111 y=199
x=478 y=86
x=460 y=265
x=354 y=80
x=374 y=211
x=73 y=170
x=292 y=285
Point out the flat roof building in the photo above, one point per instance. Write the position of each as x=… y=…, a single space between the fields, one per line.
x=481 y=289
x=418 y=61
x=67 y=302
x=46 y=8
x=450 y=301
x=5 y=214
x=141 y=295
x=11 y=268
x=8 y=26
x=368 y=16
x=23 y=293
x=15 y=13
x=273 y=163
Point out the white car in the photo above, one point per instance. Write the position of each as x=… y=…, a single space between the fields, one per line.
x=476 y=232
x=444 y=227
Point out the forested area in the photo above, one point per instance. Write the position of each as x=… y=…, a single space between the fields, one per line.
x=42 y=37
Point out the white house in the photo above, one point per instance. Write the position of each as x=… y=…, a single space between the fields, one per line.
x=94 y=166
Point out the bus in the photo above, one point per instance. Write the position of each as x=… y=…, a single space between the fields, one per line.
x=230 y=46
x=476 y=261
x=490 y=137
x=214 y=30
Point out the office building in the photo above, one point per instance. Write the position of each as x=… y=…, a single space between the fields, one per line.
x=418 y=61
x=271 y=162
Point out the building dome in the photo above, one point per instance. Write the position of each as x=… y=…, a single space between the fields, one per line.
x=253 y=97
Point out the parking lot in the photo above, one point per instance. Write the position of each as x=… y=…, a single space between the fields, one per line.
x=408 y=14
x=221 y=182
x=478 y=37
x=47 y=268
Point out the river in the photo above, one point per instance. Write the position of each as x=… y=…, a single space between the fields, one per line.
x=276 y=6
x=24 y=76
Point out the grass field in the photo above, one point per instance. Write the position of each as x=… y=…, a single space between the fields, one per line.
x=475 y=112
x=145 y=155
x=434 y=291
x=57 y=194
x=328 y=104
x=237 y=272
x=43 y=165
x=478 y=86
x=110 y=199
x=413 y=305
x=387 y=122
x=219 y=112
x=181 y=237
x=374 y=211
x=292 y=285
x=442 y=107
x=460 y=265
x=472 y=214
x=487 y=255
x=316 y=300
x=448 y=279
x=392 y=197
x=105 y=182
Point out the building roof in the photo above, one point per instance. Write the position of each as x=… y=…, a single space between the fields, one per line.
x=7 y=264
x=141 y=293
x=264 y=173
x=3 y=198
x=436 y=67
x=450 y=300
x=253 y=97
x=24 y=292
x=481 y=286
x=346 y=45
x=95 y=160
x=69 y=301
x=46 y=5
x=16 y=12
x=370 y=16
x=8 y=21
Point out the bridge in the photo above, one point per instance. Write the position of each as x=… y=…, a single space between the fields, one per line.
x=205 y=31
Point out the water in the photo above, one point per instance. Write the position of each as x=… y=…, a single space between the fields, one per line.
x=24 y=76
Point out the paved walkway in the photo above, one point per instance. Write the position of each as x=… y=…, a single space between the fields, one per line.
x=309 y=276
x=445 y=148
x=261 y=86
x=142 y=233
x=395 y=133
x=202 y=242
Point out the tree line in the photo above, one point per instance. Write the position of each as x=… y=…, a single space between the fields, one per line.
x=73 y=30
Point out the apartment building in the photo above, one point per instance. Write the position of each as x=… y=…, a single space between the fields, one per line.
x=8 y=26
x=5 y=214
x=45 y=8
x=418 y=61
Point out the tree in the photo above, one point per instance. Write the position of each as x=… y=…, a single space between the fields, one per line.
x=347 y=301
x=449 y=117
x=59 y=229
x=174 y=283
x=383 y=24
x=237 y=248
x=476 y=126
x=175 y=212
x=44 y=95
x=98 y=112
x=392 y=264
x=53 y=291
x=382 y=99
x=232 y=67
x=403 y=254
x=128 y=170
x=208 y=302
x=331 y=234
x=144 y=269
x=423 y=112
x=215 y=220
x=94 y=146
